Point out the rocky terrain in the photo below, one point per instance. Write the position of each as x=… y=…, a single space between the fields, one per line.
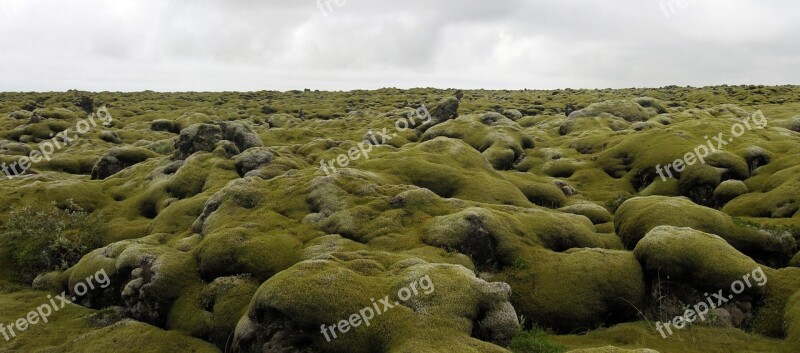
x=540 y=221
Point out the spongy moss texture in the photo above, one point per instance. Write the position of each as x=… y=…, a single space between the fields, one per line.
x=263 y=221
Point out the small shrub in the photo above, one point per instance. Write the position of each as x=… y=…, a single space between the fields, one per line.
x=791 y=229
x=784 y=231
x=521 y=264
x=165 y=147
x=665 y=306
x=535 y=340
x=51 y=240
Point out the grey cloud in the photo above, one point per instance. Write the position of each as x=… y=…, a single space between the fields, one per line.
x=282 y=44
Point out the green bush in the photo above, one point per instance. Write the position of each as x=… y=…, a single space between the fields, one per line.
x=164 y=147
x=535 y=340
x=52 y=239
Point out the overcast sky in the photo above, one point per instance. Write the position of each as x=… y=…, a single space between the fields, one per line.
x=245 y=45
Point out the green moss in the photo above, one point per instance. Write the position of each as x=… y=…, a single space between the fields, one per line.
x=655 y=106
x=20 y=115
x=612 y=349
x=635 y=336
x=729 y=190
x=437 y=194
x=735 y=167
x=429 y=320
x=449 y=168
x=795 y=262
x=228 y=298
x=70 y=330
x=117 y=159
x=55 y=113
x=792 y=318
x=772 y=196
x=777 y=316
x=684 y=255
x=499 y=139
x=283 y=121
x=628 y=110
x=188 y=317
x=595 y=213
x=639 y=215
x=543 y=194
x=579 y=289
x=241 y=250
x=535 y=340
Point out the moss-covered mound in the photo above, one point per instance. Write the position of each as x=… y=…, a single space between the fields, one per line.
x=638 y=216
x=363 y=302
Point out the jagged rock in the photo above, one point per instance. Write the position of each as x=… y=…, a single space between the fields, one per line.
x=165 y=125
x=446 y=109
x=197 y=138
x=569 y=109
x=240 y=134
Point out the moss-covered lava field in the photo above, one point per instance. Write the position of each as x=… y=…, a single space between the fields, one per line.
x=402 y=221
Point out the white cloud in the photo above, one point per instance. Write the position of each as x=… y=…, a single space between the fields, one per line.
x=277 y=44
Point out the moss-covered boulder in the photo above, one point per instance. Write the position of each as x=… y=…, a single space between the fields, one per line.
x=638 y=216
x=704 y=260
x=628 y=110
x=729 y=190
x=110 y=136
x=594 y=212
x=283 y=121
x=55 y=113
x=165 y=125
x=252 y=159
x=498 y=138
x=449 y=168
x=240 y=134
x=374 y=303
x=445 y=109
x=578 y=289
x=653 y=105
x=117 y=159
x=197 y=138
